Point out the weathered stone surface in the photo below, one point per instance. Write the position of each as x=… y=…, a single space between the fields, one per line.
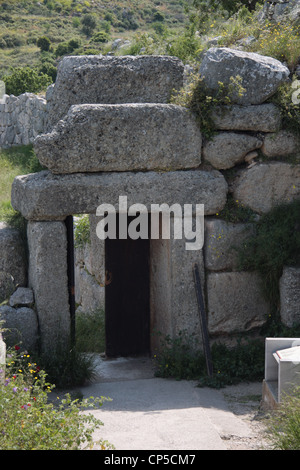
x=222 y=242
x=20 y=326
x=268 y=184
x=280 y=11
x=290 y=296
x=280 y=144
x=111 y=80
x=173 y=303
x=226 y=149
x=7 y=285
x=264 y=118
x=261 y=75
x=44 y=196
x=22 y=118
x=121 y=137
x=22 y=297
x=235 y=302
x=12 y=254
x=47 y=243
x=2 y=358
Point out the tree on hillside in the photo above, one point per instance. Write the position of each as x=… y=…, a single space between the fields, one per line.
x=89 y=23
x=231 y=6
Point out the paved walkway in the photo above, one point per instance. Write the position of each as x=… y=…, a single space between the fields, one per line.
x=148 y=413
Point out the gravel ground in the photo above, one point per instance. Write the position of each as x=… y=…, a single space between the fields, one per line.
x=244 y=400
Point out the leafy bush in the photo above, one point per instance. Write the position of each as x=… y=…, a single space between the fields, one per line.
x=89 y=23
x=68 y=47
x=182 y=358
x=29 y=421
x=25 y=79
x=276 y=244
x=44 y=43
x=90 y=332
x=101 y=36
x=281 y=41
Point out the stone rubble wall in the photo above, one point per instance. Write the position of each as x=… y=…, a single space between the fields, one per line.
x=249 y=143
x=22 y=118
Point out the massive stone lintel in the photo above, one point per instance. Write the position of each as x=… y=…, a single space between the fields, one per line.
x=99 y=79
x=121 y=137
x=44 y=196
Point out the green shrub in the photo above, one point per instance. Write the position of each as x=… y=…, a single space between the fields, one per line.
x=90 y=332
x=185 y=47
x=30 y=421
x=89 y=23
x=25 y=79
x=283 y=424
x=44 y=43
x=101 y=36
x=66 y=366
x=276 y=244
x=183 y=358
x=82 y=230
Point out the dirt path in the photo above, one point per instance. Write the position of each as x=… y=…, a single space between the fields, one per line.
x=244 y=401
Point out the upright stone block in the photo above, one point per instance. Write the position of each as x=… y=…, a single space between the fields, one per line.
x=290 y=296
x=12 y=254
x=47 y=242
x=173 y=302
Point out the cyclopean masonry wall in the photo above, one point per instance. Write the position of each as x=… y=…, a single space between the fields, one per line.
x=111 y=133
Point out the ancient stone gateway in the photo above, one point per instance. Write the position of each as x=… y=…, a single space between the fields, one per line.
x=117 y=136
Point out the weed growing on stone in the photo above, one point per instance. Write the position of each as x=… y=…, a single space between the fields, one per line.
x=202 y=101
x=30 y=421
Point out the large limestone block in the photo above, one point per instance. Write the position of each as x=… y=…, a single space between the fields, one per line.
x=44 y=196
x=290 y=296
x=261 y=75
x=222 y=243
x=20 y=326
x=111 y=80
x=264 y=118
x=121 y=137
x=280 y=144
x=47 y=243
x=266 y=185
x=235 y=302
x=12 y=254
x=226 y=149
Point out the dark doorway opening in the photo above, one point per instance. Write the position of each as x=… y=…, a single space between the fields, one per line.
x=127 y=296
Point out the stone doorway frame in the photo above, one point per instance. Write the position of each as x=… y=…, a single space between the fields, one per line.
x=46 y=200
